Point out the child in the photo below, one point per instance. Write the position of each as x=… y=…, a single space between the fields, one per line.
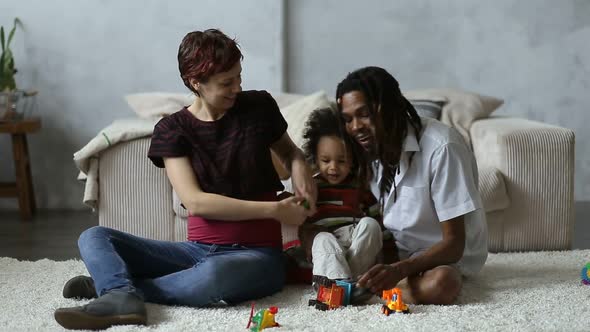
x=342 y=239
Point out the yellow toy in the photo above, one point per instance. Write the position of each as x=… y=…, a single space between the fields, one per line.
x=263 y=319
x=394 y=302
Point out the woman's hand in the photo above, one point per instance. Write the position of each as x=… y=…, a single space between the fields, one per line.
x=304 y=185
x=291 y=211
x=301 y=177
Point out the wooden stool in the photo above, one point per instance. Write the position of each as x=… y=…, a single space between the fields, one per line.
x=23 y=187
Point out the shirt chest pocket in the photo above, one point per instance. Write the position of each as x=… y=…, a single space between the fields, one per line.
x=409 y=206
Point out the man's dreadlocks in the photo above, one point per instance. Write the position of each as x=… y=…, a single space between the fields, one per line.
x=391 y=113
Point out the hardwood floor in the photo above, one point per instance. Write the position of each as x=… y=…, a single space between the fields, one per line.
x=582 y=225
x=53 y=234
x=50 y=234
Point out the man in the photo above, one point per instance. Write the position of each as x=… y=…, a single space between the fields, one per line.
x=426 y=178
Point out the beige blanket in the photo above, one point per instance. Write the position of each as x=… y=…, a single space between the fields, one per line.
x=86 y=159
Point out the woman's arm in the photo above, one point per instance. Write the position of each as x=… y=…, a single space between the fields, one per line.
x=293 y=160
x=214 y=206
x=279 y=167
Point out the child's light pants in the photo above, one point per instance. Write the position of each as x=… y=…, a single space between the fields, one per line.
x=349 y=251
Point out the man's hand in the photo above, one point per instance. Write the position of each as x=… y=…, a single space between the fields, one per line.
x=445 y=252
x=381 y=277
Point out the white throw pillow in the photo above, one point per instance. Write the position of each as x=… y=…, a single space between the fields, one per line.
x=157 y=104
x=428 y=108
x=284 y=99
x=296 y=114
x=462 y=107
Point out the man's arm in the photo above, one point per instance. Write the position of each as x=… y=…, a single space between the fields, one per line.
x=448 y=251
x=292 y=158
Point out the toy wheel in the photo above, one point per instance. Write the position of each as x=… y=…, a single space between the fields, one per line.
x=321 y=306
x=385 y=310
x=324 y=281
x=312 y=302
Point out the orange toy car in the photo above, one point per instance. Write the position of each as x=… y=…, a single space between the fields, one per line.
x=331 y=294
x=394 y=302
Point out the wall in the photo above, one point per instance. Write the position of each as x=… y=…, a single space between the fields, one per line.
x=533 y=54
x=84 y=56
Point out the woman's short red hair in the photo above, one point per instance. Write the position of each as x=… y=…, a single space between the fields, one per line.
x=203 y=54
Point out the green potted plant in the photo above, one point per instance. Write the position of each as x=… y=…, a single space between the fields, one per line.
x=7 y=69
x=8 y=92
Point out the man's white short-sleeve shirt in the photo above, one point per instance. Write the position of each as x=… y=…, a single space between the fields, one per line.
x=441 y=183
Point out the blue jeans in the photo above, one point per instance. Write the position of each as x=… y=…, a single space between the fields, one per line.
x=180 y=273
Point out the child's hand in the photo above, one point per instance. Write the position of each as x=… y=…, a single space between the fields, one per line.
x=291 y=211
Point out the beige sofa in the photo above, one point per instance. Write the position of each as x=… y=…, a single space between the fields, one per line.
x=526 y=181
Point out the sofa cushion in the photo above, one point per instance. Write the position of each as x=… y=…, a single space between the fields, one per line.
x=492 y=189
x=284 y=99
x=462 y=107
x=296 y=113
x=157 y=104
x=428 y=108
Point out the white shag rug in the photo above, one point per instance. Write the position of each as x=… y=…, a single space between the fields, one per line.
x=539 y=291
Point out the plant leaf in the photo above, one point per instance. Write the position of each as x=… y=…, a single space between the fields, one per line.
x=11 y=34
x=2 y=37
x=7 y=61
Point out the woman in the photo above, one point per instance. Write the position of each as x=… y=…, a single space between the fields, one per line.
x=217 y=155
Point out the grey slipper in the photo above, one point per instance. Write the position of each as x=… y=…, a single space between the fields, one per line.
x=113 y=308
